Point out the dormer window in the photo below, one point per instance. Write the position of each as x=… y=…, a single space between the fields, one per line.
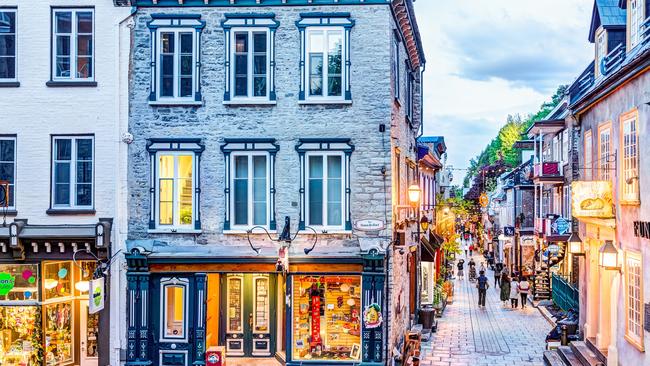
x=601 y=50
x=636 y=18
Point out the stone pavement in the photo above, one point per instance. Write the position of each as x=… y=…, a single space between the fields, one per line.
x=492 y=336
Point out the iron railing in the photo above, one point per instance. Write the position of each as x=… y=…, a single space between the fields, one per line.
x=564 y=294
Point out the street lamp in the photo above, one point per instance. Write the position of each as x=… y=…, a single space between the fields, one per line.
x=414 y=194
x=608 y=256
x=576 y=246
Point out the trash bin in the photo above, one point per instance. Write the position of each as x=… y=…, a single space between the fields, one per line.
x=427 y=316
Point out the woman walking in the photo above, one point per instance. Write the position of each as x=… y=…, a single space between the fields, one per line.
x=461 y=265
x=505 y=288
x=514 y=293
x=524 y=286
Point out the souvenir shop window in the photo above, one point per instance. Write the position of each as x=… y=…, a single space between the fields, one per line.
x=57 y=280
x=20 y=341
x=59 y=341
x=326 y=318
x=18 y=282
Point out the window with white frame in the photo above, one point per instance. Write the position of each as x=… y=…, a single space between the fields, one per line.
x=174 y=184
x=8 y=170
x=556 y=148
x=73 y=45
x=72 y=172
x=634 y=299
x=173 y=309
x=601 y=49
x=630 y=183
x=565 y=146
x=175 y=60
x=566 y=207
x=636 y=19
x=250 y=54
x=7 y=44
x=589 y=157
x=250 y=189
x=605 y=145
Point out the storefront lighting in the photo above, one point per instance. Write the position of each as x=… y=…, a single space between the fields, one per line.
x=608 y=256
x=414 y=194
x=576 y=246
x=424 y=223
x=82 y=286
x=445 y=210
x=50 y=283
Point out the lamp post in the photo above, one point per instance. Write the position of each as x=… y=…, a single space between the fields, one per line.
x=576 y=246
x=608 y=256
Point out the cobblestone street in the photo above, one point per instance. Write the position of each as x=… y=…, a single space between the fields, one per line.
x=492 y=336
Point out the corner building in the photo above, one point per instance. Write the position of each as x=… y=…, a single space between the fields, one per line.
x=262 y=177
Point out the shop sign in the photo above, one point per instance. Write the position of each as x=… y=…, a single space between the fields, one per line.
x=560 y=226
x=554 y=248
x=642 y=229
x=7 y=282
x=509 y=230
x=96 y=295
x=527 y=241
x=484 y=200
x=592 y=199
x=372 y=317
x=369 y=225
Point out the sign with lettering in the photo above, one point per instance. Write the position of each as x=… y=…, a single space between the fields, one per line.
x=509 y=230
x=7 y=282
x=642 y=229
x=96 y=295
x=560 y=226
x=369 y=225
x=592 y=199
x=554 y=248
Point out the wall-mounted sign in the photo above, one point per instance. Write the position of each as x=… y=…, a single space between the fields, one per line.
x=554 y=248
x=369 y=225
x=560 y=226
x=483 y=199
x=592 y=199
x=527 y=241
x=509 y=230
x=372 y=317
x=96 y=295
x=642 y=229
x=7 y=282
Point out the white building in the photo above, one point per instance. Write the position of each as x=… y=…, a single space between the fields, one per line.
x=63 y=73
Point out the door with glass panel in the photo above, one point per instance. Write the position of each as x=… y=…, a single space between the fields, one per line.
x=172 y=304
x=249 y=312
x=89 y=329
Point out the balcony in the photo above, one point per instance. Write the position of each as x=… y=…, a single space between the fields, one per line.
x=548 y=172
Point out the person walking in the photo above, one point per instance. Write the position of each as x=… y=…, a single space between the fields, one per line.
x=461 y=265
x=514 y=293
x=482 y=285
x=504 y=295
x=497 y=275
x=524 y=287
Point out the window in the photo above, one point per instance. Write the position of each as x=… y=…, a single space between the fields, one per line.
x=409 y=93
x=250 y=182
x=398 y=175
x=174 y=189
x=634 y=299
x=604 y=149
x=8 y=168
x=565 y=146
x=7 y=44
x=601 y=50
x=175 y=64
x=250 y=52
x=325 y=59
x=396 y=66
x=566 y=208
x=72 y=172
x=325 y=187
x=630 y=163
x=589 y=165
x=636 y=19
x=73 y=44
x=174 y=312
x=556 y=148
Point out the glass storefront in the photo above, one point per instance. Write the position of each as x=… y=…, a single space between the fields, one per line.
x=326 y=318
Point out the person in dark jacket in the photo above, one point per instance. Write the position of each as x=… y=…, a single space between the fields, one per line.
x=504 y=295
x=482 y=285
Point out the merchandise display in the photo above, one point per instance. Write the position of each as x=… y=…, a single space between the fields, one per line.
x=326 y=317
x=58 y=333
x=18 y=336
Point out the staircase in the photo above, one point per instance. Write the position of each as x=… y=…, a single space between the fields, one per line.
x=579 y=353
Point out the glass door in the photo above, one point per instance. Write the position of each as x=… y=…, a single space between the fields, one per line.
x=261 y=342
x=235 y=315
x=89 y=329
x=174 y=331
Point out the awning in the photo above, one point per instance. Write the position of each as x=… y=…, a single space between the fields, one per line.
x=428 y=252
x=556 y=238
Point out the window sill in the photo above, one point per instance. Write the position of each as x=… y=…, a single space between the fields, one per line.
x=65 y=84
x=324 y=101
x=636 y=202
x=9 y=84
x=257 y=231
x=321 y=231
x=634 y=343
x=9 y=212
x=171 y=102
x=72 y=211
x=247 y=102
x=174 y=231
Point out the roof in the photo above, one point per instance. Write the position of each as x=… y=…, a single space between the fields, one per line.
x=405 y=17
x=428 y=159
x=607 y=13
x=545 y=126
x=437 y=141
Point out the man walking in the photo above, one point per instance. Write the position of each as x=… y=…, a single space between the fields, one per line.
x=497 y=274
x=482 y=285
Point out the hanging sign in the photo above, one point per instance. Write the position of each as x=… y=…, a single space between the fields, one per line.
x=592 y=199
x=7 y=282
x=96 y=295
x=554 y=248
x=372 y=317
x=484 y=200
x=509 y=231
x=560 y=226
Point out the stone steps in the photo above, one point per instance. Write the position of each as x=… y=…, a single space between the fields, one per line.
x=577 y=353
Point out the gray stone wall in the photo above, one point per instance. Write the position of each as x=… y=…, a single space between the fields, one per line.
x=287 y=122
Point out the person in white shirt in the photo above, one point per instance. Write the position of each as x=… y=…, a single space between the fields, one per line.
x=524 y=287
x=514 y=293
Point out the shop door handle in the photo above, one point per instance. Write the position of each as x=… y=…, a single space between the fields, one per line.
x=250 y=320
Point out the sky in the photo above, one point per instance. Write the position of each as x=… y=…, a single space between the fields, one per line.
x=490 y=58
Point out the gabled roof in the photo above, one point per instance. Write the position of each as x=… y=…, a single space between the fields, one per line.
x=607 y=13
x=437 y=141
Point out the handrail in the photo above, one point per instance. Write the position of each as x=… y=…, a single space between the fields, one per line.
x=564 y=294
x=614 y=58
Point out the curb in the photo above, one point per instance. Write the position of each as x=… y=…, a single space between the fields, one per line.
x=547 y=315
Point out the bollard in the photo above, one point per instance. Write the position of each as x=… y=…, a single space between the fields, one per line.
x=565 y=336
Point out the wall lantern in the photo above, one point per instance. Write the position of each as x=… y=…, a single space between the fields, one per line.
x=608 y=256
x=576 y=246
x=424 y=223
x=414 y=194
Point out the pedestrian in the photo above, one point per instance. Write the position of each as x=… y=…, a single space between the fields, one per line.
x=524 y=287
x=471 y=250
x=482 y=285
x=482 y=267
x=504 y=295
x=461 y=265
x=497 y=276
x=514 y=293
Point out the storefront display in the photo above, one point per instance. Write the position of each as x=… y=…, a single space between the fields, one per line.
x=58 y=333
x=18 y=282
x=326 y=318
x=57 y=280
x=19 y=336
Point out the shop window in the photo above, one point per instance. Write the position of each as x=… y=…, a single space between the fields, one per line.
x=58 y=334
x=604 y=150
x=19 y=335
x=235 y=304
x=261 y=312
x=18 y=282
x=326 y=313
x=174 y=322
x=634 y=299
x=57 y=280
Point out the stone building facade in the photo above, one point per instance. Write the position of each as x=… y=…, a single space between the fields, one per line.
x=243 y=134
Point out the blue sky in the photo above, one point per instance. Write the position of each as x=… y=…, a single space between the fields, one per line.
x=490 y=58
